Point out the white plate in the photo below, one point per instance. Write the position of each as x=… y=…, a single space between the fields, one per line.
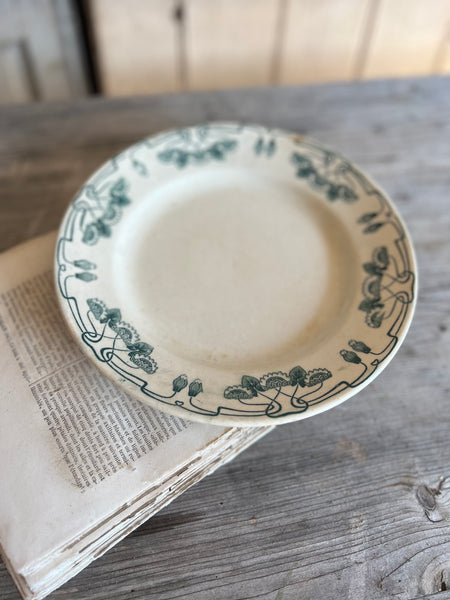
x=235 y=274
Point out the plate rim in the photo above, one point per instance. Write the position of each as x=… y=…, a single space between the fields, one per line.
x=230 y=420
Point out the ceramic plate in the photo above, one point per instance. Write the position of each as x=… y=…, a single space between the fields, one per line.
x=235 y=274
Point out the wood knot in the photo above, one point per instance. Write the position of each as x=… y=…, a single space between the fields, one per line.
x=435 y=501
x=436 y=576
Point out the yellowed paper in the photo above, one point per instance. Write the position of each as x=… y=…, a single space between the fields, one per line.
x=84 y=464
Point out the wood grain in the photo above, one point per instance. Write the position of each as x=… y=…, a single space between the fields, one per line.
x=150 y=46
x=15 y=84
x=406 y=37
x=230 y=43
x=442 y=61
x=353 y=503
x=136 y=45
x=40 y=56
x=322 y=40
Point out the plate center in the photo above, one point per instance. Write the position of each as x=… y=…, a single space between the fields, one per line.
x=228 y=267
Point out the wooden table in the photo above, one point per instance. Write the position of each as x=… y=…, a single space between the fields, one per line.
x=353 y=503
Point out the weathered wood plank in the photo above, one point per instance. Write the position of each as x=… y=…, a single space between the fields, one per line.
x=406 y=38
x=322 y=40
x=40 y=54
x=136 y=46
x=349 y=504
x=230 y=43
x=15 y=83
x=442 y=63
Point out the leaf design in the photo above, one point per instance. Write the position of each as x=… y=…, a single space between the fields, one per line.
x=373 y=227
x=365 y=218
x=112 y=214
x=84 y=264
x=103 y=228
x=118 y=189
x=333 y=191
x=381 y=257
x=259 y=146
x=90 y=235
x=375 y=318
x=369 y=304
x=374 y=286
x=316 y=376
x=141 y=348
x=350 y=356
x=359 y=346
x=251 y=387
x=340 y=192
x=251 y=383
x=111 y=211
x=96 y=307
x=125 y=334
x=237 y=392
x=117 y=193
x=297 y=376
x=195 y=388
x=179 y=383
x=148 y=365
x=274 y=380
x=304 y=166
x=182 y=158
x=86 y=276
x=139 y=167
x=372 y=268
x=112 y=316
x=138 y=351
x=120 y=201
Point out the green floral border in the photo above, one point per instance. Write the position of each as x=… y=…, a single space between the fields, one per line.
x=387 y=292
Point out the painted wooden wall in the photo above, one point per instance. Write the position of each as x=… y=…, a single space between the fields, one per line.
x=150 y=46
x=40 y=51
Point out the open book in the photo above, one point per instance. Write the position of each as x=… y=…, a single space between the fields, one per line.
x=83 y=464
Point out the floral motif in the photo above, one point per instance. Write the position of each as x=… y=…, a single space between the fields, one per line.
x=238 y=392
x=350 y=356
x=181 y=158
x=179 y=383
x=146 y=364
x=274 y=380
x=359 y=346
x=297 y=376
x=265 y=147
x=138 y=352
x=97 y=307
x=110 y=214
x=334 y=191
x=373 y=286
x=251 y=383
x=84 y=264
x=195 y=388
x=273 y=386
x=126 y=341
x=316 y=376
x=85 y=276
x=388 y=285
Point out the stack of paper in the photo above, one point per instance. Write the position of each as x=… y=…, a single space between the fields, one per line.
x=82 y=463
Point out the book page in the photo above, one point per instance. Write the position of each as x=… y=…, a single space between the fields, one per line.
x=74 y=448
